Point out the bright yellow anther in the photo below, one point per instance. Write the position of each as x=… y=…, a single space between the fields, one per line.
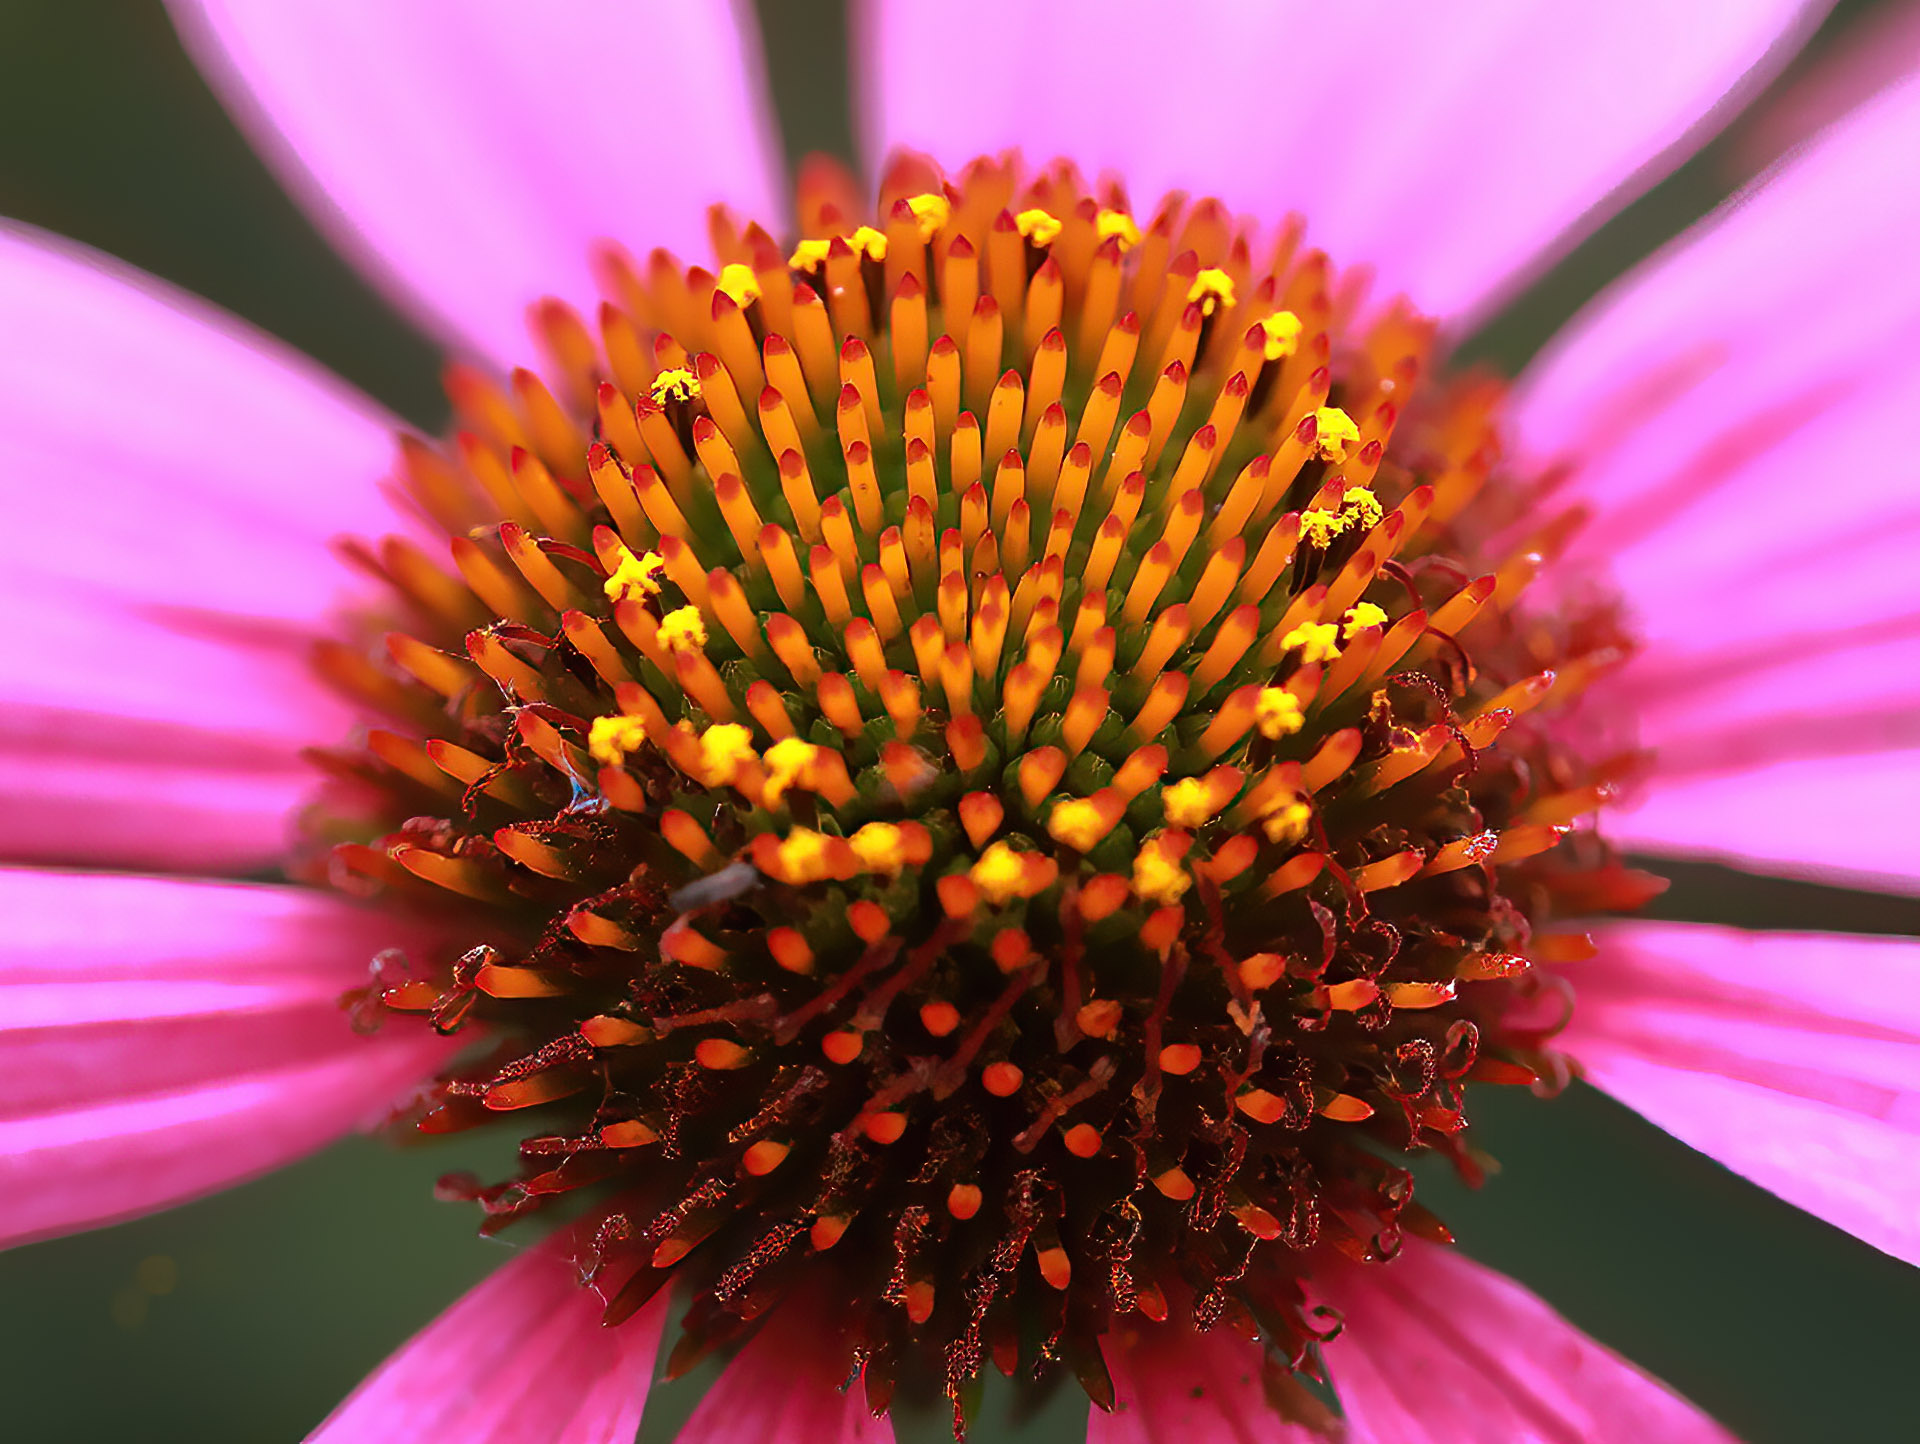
x=1117 y=223
x=1157 y=877
x=1190 y=803
x=610 y=739
x=870 y=243
x=1286 y=821
x=1317 y=641
x=1038 y=226
x=683 y=630
x=803 y=856
x=724 y=750
x=788 y=763
x=1212 y=289
x=676 y=383
x=1336 y=433
x=809 y=255
x=1001 y=873
x=1078 y=823
x=739 y=282
x=1360 y=507
x=634 y=577
x=1319 y=528
x=881 y=847
x=1283 y=334
x=1360 y=616
x=932 y=211
x=1276 y=712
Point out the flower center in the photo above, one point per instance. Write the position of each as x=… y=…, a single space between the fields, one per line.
x=993 y=762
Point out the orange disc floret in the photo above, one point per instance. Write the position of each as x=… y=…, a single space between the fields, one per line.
x=1003 y=731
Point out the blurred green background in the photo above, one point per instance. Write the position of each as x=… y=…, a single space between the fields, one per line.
x=246 y=1317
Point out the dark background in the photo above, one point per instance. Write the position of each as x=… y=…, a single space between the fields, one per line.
x=246 y=1317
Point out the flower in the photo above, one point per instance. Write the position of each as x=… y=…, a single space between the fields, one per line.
x=185 y=742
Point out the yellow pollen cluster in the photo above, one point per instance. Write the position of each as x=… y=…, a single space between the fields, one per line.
x=683 y=630
x=1109 y=223
x=1336 y=432
x=1211 y=289
x=788 y=762
x=610 y=739
x=1190 y=802
x=803 y=856
x=1038 y=226
x=634 y=578
x=1361 y=616
x=1157 y=874
x=1360 y=507
x=932 y=211
x=1317 y=641
x=880 y=847
x=1282 y=330
x=676 y=383
x=739 y=282
x=1287 y=821
x=868 y=242
x=809 y=255
x=1277 y=713
x=724 y=751
x=1001 y=873
x=1078 y=823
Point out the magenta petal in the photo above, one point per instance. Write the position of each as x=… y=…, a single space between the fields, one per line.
x=1450 y=146
x=520 y=1359
x=1440 y=1350
x=1738 y=412
x=1793 y=1058
x=1172 y=1385
x=161 y=1039
x=470 y=151
x=173 y=480
x=785 y=1388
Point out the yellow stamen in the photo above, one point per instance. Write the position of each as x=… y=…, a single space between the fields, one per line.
x=610 y=739
x=1360 y=507
x=1110 y=223
x=1277 y=713
x=634 y=578
x=789 y=762
x=683 y=630
x=1282 y=330
x=1190 y=803
x=868 y=242
x=740 y=283
x=1319 y=527
x=803 y=856
x=881 y=847
x=1287 y=821
x=724 y=751
x=809 y=255
x=1318 y=641
x=1000 y=873
x=1078 y=823
x=1336 y=433
x=1157 y=876
x=1361 y=616
x=676 y=383
x=932 y=211
x=1038 y=226
x=1212 y=289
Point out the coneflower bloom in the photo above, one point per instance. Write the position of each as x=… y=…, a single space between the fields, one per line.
x=975 y=775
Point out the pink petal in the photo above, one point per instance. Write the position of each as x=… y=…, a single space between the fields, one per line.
x=174 y=481
x=1792 y=1058
x=521 y=1359
x=470 y=151
x=1439 y=1350
x=161 y=1039
x=1175 y=1386
x=1450 y=146
x=1738 y=410
x=785 y=1387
